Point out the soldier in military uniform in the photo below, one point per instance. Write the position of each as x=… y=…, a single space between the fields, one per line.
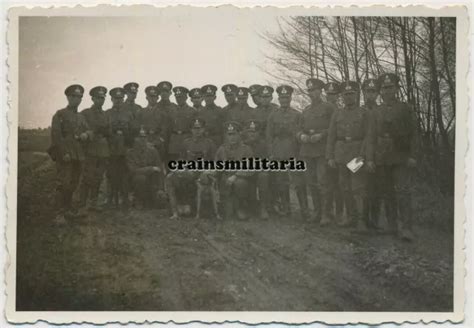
x=69 y=130
x=96 y=149
x=395 y=137
x=312 y=135
x=265 y=107
x=254 y=92
x=234 y=185
x=180 y=185
x=333 y=93
x=146 y=171
x=181 y=121
x=350 y=136
x=212 y=114
x=230 y=94
x=372 y=207
x=260 y=179
x=281 y=130
x=335 y=197
x=167 y=109
x=131 y=90
x=153 y=121
x=242 y=112
x=120 y=122
x=196 y=98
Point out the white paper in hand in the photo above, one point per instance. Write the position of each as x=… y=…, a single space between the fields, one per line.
x=355 y=164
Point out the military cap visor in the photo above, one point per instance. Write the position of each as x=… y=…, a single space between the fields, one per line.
x=195 y=93
x=284 y=91
x=265 y=91
x=74 y=90
x=164 y=86
x=209 y=90
x=131 y=87
x=252 y=126
x=151 y=91
x=313 y=84
x=180 y=91
x=229 y=88
x=117 y=93
x=370 y=84
x=350 y=87
x=388 y=79
x=198 y=124
x=332 y=88
x=254 y=88
x=242 y=92
x=98 y=91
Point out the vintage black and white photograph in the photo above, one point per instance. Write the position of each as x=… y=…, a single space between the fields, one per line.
x=237 y=159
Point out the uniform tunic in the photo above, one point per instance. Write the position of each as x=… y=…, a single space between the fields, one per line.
x=97 y=153
x=66 y=127
x=181 y=121
x=214 y=117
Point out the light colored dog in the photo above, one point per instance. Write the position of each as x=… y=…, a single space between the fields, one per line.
x=207 y=189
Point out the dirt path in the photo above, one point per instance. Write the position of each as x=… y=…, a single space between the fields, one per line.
x=144 y=261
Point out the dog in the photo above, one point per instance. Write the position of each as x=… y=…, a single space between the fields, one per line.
x=207 y=188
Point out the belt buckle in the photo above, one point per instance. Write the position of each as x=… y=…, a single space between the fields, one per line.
x=347 y=139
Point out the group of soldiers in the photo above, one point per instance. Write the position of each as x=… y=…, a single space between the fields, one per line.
x=131 y=145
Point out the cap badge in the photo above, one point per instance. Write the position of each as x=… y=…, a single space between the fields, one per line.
x=331 y=87
x=208 y=90
x=371 y=84
x=387 y=79
x=133 y=88
x=230 y=127
x=284 y=91
x=101 y=93
x=265 y=90
x=178 y=91
x=252 y=125
x=348 y=87
x=77 y=90
x=228 y=89
x=241 y=93
x=310 y=84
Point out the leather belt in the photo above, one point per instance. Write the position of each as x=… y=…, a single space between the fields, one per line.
x=348 y=139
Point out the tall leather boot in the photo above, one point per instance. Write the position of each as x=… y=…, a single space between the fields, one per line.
x=349 y=203
x=316 y=198
x=302 y=196
x=285 y=201
x=360 y=203
x=391 y=212
x=405 y=204
x=326 y=215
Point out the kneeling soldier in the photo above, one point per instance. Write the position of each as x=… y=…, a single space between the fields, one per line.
x=234 y=185
x=146 y=171
x=349 y=137
x=180 y=185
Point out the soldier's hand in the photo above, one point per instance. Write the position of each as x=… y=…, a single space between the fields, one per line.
x=304 y=138
x=84 y=136
x=315 y=137
x=66 y=158
x=371 y=166
x=332 y=163
x=411 y=162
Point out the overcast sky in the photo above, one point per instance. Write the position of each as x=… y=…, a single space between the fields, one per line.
x=201 y=47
